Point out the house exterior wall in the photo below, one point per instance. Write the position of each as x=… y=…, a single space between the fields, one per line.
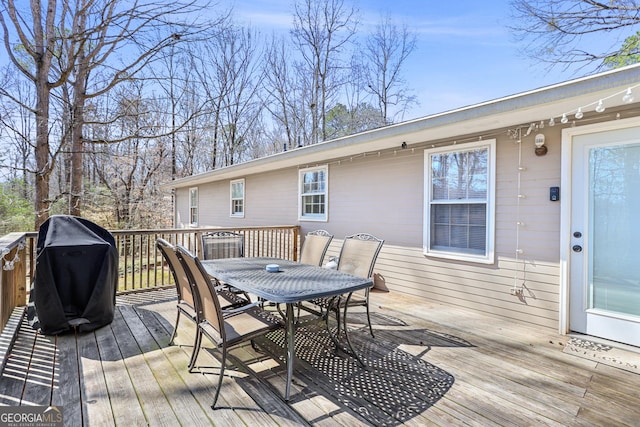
x=266 y=197
x=383 y=194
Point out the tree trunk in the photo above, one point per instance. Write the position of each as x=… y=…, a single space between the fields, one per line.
x=77 y=139
x=77 y=175
x=44 y=43
x=41 y=151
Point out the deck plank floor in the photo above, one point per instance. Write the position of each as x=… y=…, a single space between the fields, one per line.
x=428 y=365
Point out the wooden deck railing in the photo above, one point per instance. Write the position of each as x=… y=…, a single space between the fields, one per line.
x=141 y=266
x=13 y=284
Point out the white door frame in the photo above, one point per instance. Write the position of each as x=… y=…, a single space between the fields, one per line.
x=565 y=205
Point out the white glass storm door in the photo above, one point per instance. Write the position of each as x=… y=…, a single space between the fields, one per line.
x=605 y=235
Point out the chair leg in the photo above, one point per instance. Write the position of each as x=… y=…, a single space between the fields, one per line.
x=369 y=320
x=175 y=329
x=282 y=313
x=224 y=360
x=326 y=319
x=346 y=334
x=337 y=310
x=196 y=349
x=325 y=313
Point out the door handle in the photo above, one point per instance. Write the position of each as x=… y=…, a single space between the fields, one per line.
x=577 y=248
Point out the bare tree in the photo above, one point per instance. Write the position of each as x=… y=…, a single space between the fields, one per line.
x=38 y=43
x=242 y=105
x=214 y=81
x=129 y=167
x=386 y=51
x=69 y=40
x=280 y=88
x=19 y=129
x=287 y=96
x=229 y=73
x=149 y=28
x=321 y=30
x=178 y=81
x=569 y=32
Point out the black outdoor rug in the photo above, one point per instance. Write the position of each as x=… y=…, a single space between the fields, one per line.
x=394 y=387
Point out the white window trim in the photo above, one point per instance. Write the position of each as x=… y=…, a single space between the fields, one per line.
x=317 y=218
x=231 y=213
x=489 y=257
x=196 y=206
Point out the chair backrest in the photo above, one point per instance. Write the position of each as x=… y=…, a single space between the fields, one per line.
x=359 y=253
x=315 y=247
x=206 y=298
x=180 y=277
x=222 y=244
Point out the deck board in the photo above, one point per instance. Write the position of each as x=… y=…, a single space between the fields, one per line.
x=173 y=389
x=39 y=368
x=68 y=379
x=148 y=391
x=126 y=408
x=97 y=404
x=266 y=408
x=428 y=365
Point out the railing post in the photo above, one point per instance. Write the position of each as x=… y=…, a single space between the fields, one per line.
x=198 y=250
x=296 y=233
x=20 y=277
x=12 y=275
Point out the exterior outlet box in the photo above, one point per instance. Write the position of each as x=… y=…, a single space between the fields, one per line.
x=554 y=194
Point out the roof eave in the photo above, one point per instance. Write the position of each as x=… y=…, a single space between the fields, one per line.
x=526 y=107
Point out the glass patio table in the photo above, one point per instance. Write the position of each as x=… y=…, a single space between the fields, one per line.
x=292 y=283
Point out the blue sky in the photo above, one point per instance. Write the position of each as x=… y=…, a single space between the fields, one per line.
x=465 y=52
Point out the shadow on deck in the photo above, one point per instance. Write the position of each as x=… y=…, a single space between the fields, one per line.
x=427 y=365
x=106 y=368
x=394 y=387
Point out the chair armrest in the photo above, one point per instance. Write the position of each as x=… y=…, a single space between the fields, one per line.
x=234 y=311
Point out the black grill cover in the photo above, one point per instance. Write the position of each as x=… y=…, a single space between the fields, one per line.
x=76 y=275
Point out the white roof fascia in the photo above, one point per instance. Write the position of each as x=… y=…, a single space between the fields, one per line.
x=519 y=109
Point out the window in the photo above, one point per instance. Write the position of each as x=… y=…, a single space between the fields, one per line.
x=193 y=206
x=313 y=194
x=237 y=198
x=459 y=202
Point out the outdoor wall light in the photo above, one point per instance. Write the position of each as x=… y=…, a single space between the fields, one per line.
x=541 y=149
x=403 y=145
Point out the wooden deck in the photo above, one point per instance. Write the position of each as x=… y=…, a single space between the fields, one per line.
x=428 y=365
